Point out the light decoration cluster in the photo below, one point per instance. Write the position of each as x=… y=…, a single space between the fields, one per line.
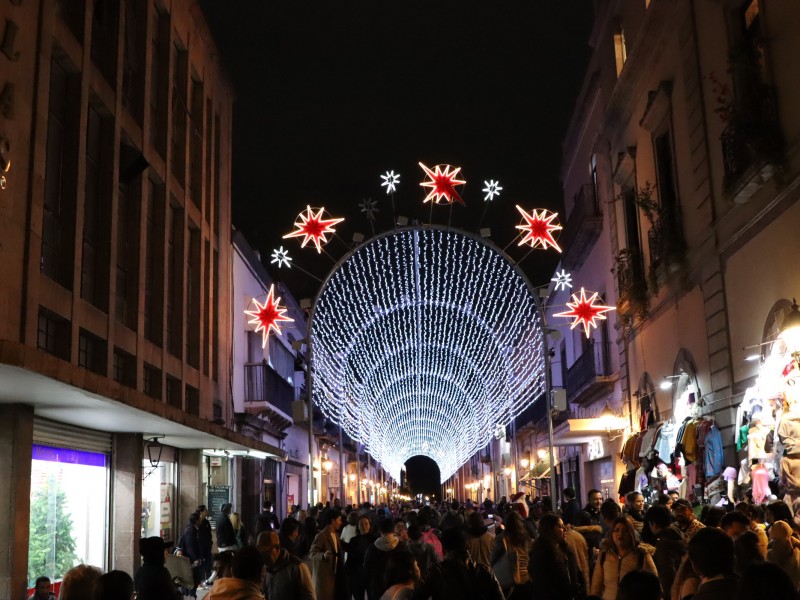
x=267 y=316
x=442 y=181
x=585 y=311
x=539 y=227
x=313 y=227
x=425 y=341
x=563 y=280
x=492 y=189
x=281 y=257
x=390 y=181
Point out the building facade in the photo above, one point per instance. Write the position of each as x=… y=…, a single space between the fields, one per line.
x=115 y=346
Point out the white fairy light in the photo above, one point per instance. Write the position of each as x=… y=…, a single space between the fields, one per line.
x=424 y=342
x=492 y=189
x=563 y=280
x=281 y=257
x=390 y=181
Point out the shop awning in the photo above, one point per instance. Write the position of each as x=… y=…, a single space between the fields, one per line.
x=539 y=470
x=59 y=401
x=582 y=431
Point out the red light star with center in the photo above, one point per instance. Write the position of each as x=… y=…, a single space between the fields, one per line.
x=267 y=316
x=442 y=184
x=585 y=311
x=313 y=227
x=539 y=228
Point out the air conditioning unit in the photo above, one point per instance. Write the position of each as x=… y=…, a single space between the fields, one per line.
x=299 y=411
x=559 y=399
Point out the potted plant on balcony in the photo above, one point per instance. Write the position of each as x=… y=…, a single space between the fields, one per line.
x=632 y=302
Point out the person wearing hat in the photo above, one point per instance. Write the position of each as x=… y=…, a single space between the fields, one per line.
x=688 y=524
x=153 y=581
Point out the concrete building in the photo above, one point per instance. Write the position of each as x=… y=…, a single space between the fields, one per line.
x=681 y=179
x=115 y=121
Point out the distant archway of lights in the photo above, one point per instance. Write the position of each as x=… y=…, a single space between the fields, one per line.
x=424 y=341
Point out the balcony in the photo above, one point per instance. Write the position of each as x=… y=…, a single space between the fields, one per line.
x=267 y=394
x=632 y=300
x=667 y=247
x=590 y=377
x=752 y=147
x=584 y=226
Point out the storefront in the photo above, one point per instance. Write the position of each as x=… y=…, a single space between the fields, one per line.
x=159 y=484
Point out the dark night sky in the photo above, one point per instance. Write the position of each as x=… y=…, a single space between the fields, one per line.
x=331 y=95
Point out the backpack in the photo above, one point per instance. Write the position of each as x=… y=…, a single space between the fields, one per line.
x=430 y=538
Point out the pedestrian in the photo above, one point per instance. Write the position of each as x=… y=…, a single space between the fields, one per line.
x=451 y=518
x=639 y=585
x=670 y=546
x=226 y=535
x=712 y=554
x=685 y=519
x=191 y=546
x=289 y=533
x=350 y=530
x=266 y=520
x=621 y=556
x=634 y=509
x=238 y=530
x=580 y=547
x=78 y=583
x=553 y=565
x=458 y=576
x=248 y=570
x=114 y=585
x=424 y=552
x=480 y=542
x=510 y=556
x=43 y=590
x=785 y=550
x=570 y=510
x=747 y=552
x=206 y=540
x=327 y=559
x=356 y=550
x=402 y=575
x=287 y=576
x=307 y=535
x=766 y=581
x=152 y=580
x=377 y=557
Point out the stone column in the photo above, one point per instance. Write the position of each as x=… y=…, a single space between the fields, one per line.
x=16 y=440
x=126 y=501
x=189 y=489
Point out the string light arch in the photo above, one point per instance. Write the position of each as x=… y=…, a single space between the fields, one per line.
x=423 y=341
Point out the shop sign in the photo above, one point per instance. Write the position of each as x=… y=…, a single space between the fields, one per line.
x=595 y=449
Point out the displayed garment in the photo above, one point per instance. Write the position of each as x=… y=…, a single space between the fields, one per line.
x=756 y=440
x=790 y=472
x=689 y=441
x=647 y=442
x=627 y=483
x=714 y=452
x=664 y=444
x=760 y=476
x=744 y=472
x=789 y=433
x=730 y=475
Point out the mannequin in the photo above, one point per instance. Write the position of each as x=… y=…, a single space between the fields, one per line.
x=730 y=475
x=760 y=474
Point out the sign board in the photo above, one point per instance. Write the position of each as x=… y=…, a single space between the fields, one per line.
x=217 y=496
x=595 y=449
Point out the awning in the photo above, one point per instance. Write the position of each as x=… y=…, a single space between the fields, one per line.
x=59 y=401
x=538 y=471
x=582 y=431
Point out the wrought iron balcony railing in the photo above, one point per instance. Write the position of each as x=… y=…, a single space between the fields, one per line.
x=583 y=228
x=263 y=384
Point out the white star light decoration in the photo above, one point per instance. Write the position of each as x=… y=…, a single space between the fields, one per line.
x=281 y=257
x=390 y=181
x=369 y=207
x=492 y=189
x=585 y=312
x=267 y=316
x=433 y=354
x=563 y=280
x=312 y=227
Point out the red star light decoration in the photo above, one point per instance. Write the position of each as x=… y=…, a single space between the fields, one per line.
x=584 y=310
x=267 y=316
x=313 y=227
x=442 y=184
x=539 y=228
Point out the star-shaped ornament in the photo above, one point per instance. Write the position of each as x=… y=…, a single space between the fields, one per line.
x=492 y=189
x=563 y=280
x=390 y=181
x=313 y=227
x=267 y=316
x=442 y=181
x=585 y=311
x=369 y=207
x=539 y=228
x=281 y=257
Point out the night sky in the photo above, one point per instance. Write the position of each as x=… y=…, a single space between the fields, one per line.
x=331 y=95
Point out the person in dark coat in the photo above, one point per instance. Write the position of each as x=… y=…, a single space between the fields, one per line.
x=287 y=575
x=152 y=580
x=356 y=550
x=712 y=554
x=206 y=539
x=553 y=566
x=226 y=535
x=289 y=534
x=377 y=556
x=670 y=545
x=267 y=520
x=571 y=510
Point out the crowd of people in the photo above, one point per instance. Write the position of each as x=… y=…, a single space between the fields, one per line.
x=517 y=549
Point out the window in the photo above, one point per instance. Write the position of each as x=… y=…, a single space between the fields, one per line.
x=595 y=184
x=154 y=261
x=217 y=167
x=127 y=255
x=133 y=58
x=58 y=218
x=174 y=392
x=196 y=145
x=175 y=281
x=193 y=298
x=192 y=400
x=92 y=352
x=72 y=12
x=159 y=81
x=54 y=334
x=282 y=360
x=206 y=312
x=69 y=504
x=180 y=109
x=152 y=381
x=620 y=52
x=124 y=368
x=215 y=322
x=105 y=18
x=255 y=351
x=94 y=260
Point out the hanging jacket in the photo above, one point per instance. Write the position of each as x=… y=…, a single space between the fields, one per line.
x=715 y=455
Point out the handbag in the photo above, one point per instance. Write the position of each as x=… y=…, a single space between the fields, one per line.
x=507 y=569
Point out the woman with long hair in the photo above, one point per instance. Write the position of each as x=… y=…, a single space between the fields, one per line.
x=553 y=566
x=621 y=556
x=402 y=574
x=307 y=534
x=239 y=530
x=356 y=548
x=510 y=557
